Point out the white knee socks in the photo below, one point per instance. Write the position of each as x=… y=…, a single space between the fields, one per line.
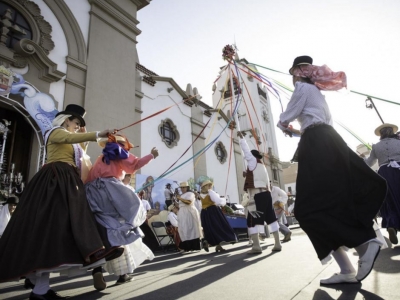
x=343 y=261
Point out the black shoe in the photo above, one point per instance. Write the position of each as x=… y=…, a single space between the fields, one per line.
x=124 y=279
x=98 y=280
x=50 y=295
x=205 y=245
x=393 y=235
x=28 y=284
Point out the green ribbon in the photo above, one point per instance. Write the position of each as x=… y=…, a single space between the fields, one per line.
x=355 y=135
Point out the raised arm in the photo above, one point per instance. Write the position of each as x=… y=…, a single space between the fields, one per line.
x=251 y=160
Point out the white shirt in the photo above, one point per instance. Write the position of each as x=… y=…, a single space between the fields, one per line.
x=278 y=194
x=308 y=106
x=260 y=173
x=146 y=205
x=251 y=160
x=173 y=219
x=5 y=217
x=198 y=205
x=167 y=194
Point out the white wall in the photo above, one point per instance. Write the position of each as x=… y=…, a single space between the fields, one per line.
x=80 y=9
x=59 y=53
x=156 y=98
x=224 y=183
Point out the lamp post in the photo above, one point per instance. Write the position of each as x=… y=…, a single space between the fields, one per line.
x=370 y=104
x=4 y=130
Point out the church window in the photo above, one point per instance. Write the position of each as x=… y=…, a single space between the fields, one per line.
x=275 y=174
x=220 y=152
x=168 y=132
x=236 y=88
x=16 y=25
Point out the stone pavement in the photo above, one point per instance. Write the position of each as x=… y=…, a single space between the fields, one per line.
x=293 y=273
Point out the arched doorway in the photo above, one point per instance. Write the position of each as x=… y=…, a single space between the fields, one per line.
x=21 y=144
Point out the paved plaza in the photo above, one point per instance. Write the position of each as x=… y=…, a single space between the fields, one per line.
x=293 y=273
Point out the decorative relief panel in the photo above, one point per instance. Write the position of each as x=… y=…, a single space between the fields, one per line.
x=30 y=13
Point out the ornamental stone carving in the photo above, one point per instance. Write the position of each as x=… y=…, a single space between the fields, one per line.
x=42 y=29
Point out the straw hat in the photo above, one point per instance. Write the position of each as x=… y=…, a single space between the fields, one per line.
x=206 y=182
x=120 y=139
x=378 y=129
x=184 y=184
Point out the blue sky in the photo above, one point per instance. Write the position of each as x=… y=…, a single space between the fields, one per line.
x=184 y=39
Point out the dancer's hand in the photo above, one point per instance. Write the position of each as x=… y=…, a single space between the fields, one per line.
x=240 y=134
x=106 y=132
x=154 y=151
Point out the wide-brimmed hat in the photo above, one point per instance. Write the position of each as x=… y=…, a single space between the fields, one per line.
x=184 y=184
x=119 y=139
x=12 y=199
x=378 y=129
x=301 y=60
x=256 y=154
x=75 y=111
x=206 y=182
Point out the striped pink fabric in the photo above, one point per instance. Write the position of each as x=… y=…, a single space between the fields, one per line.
x=323 y=77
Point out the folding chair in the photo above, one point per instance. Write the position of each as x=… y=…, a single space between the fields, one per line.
x=160 y=231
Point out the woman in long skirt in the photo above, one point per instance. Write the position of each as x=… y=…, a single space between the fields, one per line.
x=189 y=220
x=217 y=230
x=387 y=153
x=338 y=195
x=53 y=228
x=117 y=208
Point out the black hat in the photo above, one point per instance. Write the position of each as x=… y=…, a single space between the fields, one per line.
x=256 y=154
x=12 y=199
x=168 y=184
x=75 y=111
x=301 y=60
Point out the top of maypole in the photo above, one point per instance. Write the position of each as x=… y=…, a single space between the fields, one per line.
x=228 y=52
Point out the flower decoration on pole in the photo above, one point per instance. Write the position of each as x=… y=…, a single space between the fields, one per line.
x=228 y=52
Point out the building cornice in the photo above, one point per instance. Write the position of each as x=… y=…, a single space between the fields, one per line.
x=35 y=54
x=141 y=3
x=113 y=15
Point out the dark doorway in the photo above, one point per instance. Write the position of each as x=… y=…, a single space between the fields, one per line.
x=18 y=146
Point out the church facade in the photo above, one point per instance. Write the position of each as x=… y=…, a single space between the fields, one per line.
x=55 y=53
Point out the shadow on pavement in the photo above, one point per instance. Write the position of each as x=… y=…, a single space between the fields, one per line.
x=348 y=292
x=218 y=266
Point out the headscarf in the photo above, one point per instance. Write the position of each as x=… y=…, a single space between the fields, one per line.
x=59 y=120
x=115 y=150
x=322 y=77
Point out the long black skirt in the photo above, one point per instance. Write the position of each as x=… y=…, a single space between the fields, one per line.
x=338 y=195
x=265 y=208
x=215 y=226
x=390 y=210
x=190 y=245
x=149 y=238
x=51 y=226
